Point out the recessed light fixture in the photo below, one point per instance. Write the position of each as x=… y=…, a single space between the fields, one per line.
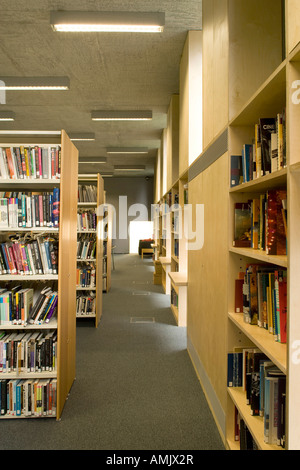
x=15 y=132
x=96 y=160
x=7 y=116
x=129 y=167
x=107 y=21
x=81 y=136
x=127 y=150
x=34 y=83
x=121 y=115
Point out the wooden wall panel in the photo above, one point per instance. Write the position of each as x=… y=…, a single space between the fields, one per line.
x=67 y=270
x=207 y=276
x=215 y=68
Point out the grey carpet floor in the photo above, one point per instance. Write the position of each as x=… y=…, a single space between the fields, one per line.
x=135 y=386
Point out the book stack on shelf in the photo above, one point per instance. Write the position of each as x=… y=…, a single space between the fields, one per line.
x=89 y=248
x=265 y=155
x=107 y=247
x=263 y=386
x=37 y=277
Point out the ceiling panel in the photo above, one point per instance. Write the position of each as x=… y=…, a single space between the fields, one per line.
x=106 y=71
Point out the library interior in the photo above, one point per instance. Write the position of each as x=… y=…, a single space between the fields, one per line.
x=149 y=225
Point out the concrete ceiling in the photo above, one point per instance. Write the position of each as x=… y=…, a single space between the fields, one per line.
x=123 y=71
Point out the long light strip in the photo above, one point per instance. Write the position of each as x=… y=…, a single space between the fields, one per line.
x=127 y=150
x=34 y=83
x=121 y=115
x=103 y=21
x=7 y=116
x=16 y=132
x=96 y=160
x=129 y=168
x=81 y=137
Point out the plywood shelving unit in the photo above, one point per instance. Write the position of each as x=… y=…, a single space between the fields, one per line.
x=64 y=283
x=253 y=49
x=94 y=293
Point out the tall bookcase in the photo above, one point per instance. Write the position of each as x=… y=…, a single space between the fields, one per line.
x=89 y=299
x=107 y=245
x=165 y=241
x=178 y=274
x=253 y=49
x=54 y=379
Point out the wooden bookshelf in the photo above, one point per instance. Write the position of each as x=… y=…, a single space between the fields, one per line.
x=251 y=69
x=107 y=246
x=64 y=321
x=94 y=292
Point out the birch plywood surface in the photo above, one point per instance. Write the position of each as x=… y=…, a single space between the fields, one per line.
x=207 y=275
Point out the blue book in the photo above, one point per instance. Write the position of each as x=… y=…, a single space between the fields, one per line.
x=236 y=173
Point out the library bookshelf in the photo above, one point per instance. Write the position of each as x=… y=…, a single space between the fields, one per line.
x=107 y=245
x=49 y=383
x=90 y=258
x=178 y=272
x=275 y=93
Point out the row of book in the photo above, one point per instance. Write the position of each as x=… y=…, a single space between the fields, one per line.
x=25 y=352
x=28 y=398
x=265 y=390
x=244 y=436
x=86 y=277
x=86 y=220
x=265 y=155
x=174 y=297
x=23 y=306
x=29 y=209
x=261 y=223
x=87 y=193
x=33 y=162
x=104 y=266
x=86 y=304
x=176 y=248
x=261 y=296
x=29 y=256
x=86 y=247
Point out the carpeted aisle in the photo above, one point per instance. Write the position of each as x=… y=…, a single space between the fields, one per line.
x=135 y=386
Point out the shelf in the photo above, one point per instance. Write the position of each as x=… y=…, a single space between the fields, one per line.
x=269 y=98
x=273 y=180
x=28 y=277
x=178 y=279
x=85 y=315
x=255 y=424
x=85 y=288
x=87 y=204
x=5 y=183
x=30 y=229
x=28 y=375
x=52 y=325
x=277 y=352
x=164 y=260
x=260 y=255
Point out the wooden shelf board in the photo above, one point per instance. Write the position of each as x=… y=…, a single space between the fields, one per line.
x=277 y=352
x=29 y=375
x=52 y=325
x=28 y=277
x=260 y=255
x=31 y=229
x=4 y=182
x=255 y=424
x=164 y=260
x=178 y=278
x=270 y=96
x=273 y=180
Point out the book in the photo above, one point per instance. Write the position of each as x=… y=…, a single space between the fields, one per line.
x=267 y=127
x=30 y=162
x=242 y=224
x=236 y=175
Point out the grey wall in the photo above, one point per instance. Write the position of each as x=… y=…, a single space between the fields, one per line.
x=138 y=190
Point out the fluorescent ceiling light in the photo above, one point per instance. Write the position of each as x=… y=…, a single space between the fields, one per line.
x=106 y=175
x=7 y=116
x=81 y=137
x=129 y=168
x=121 y=115
x=127 y=150
x=34 y=83
x=14 y=132
x=96 y=160
x=107 y=21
